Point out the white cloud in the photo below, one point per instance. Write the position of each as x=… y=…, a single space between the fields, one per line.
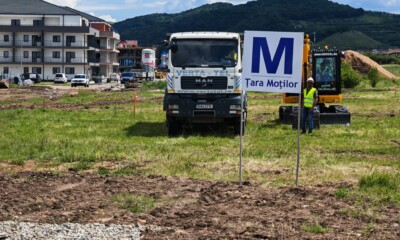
x=108 y=18
x=391 y=3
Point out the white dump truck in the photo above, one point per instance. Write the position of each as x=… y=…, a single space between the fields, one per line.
x=204 y=81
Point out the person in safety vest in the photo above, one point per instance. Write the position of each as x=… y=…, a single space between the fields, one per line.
x=309 y=100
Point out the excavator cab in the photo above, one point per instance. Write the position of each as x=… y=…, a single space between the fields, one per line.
x=326 y=71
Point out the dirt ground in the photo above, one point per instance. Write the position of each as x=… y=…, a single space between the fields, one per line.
x=187 y=208
x=192 y=209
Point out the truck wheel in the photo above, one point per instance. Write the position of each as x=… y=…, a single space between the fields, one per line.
x=174 y=128
x=236 y=128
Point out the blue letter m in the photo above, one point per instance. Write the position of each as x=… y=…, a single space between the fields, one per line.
x=260 y=44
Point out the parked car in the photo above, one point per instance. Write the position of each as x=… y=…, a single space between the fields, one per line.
x=99 y=79
x=60 y=78
x=127 y=76
x=32 y=76
x=80 y=79
x=114 y=77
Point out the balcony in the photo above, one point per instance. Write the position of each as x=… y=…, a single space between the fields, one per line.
x=39 y=44
x=77 y=44
x=6 y=44
x=109 y=34
x=47 y=60
x=31 y=28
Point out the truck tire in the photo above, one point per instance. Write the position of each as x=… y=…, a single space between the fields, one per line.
x=236 y=127
x=174 y=128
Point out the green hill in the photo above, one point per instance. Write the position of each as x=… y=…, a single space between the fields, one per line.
x=323 y=17
x=346 y=41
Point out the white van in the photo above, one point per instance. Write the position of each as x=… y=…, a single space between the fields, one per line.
x=60 y=78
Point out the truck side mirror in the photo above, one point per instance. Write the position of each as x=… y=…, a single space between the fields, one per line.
x=165 y=43
x=170 y=45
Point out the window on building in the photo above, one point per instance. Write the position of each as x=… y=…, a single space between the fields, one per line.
x=15 y=22
x=70 y=41
x=56 y=54
x=5 y=70
x=70 y=54
x=56 y=38
x=26 y=70
x=37 y=22
x=70 y=38
x=6 y=38
x=37 y=70
x=6 y=54
x=26 y=38
x=26 y=54
x=56 y=70
x=69 y=70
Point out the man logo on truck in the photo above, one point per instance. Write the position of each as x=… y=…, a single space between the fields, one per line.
x=204 y=80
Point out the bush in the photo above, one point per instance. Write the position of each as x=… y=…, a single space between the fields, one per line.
x=373 y=76
x=383 y=59
x=350 y=78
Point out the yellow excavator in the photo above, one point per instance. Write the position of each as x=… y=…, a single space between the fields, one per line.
x=324 y=66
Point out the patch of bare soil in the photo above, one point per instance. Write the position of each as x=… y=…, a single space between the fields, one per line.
x=193 y=209
x=22 y=95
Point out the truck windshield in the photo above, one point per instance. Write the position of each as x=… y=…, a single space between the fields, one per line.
x=204 y=53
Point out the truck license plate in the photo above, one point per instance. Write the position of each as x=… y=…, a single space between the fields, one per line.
x=204 y=106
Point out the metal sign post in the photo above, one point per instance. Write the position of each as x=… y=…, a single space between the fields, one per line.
x=241 y=139
x=298 y=141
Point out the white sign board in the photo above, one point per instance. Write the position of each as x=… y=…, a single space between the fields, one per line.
x=272 y=61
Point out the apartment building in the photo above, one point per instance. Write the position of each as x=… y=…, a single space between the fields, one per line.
x=130 y=55
x=39 y=37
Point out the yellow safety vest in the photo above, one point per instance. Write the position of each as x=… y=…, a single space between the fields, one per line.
x=309 y=97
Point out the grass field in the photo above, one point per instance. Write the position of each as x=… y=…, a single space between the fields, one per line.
x=393 y=68
x=111 y=139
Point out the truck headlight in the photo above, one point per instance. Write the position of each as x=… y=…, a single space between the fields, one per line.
x=235 y=109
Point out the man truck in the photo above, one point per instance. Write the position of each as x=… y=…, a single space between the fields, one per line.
x=204 y=81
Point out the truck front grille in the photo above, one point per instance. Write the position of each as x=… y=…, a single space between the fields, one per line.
x=204 y=83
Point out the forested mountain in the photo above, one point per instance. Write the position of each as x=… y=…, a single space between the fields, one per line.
x=319 y=18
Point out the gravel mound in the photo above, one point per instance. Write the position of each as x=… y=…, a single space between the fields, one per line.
x=25 y=230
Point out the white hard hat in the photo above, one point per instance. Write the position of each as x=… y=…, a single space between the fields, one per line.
x=310 y=79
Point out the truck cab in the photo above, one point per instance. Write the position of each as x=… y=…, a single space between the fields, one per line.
x=204 y=80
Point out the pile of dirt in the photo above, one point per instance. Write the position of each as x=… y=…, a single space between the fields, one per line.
x=194 y=209
x=364 y=64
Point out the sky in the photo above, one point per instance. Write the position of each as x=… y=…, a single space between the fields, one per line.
x=119 y=10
